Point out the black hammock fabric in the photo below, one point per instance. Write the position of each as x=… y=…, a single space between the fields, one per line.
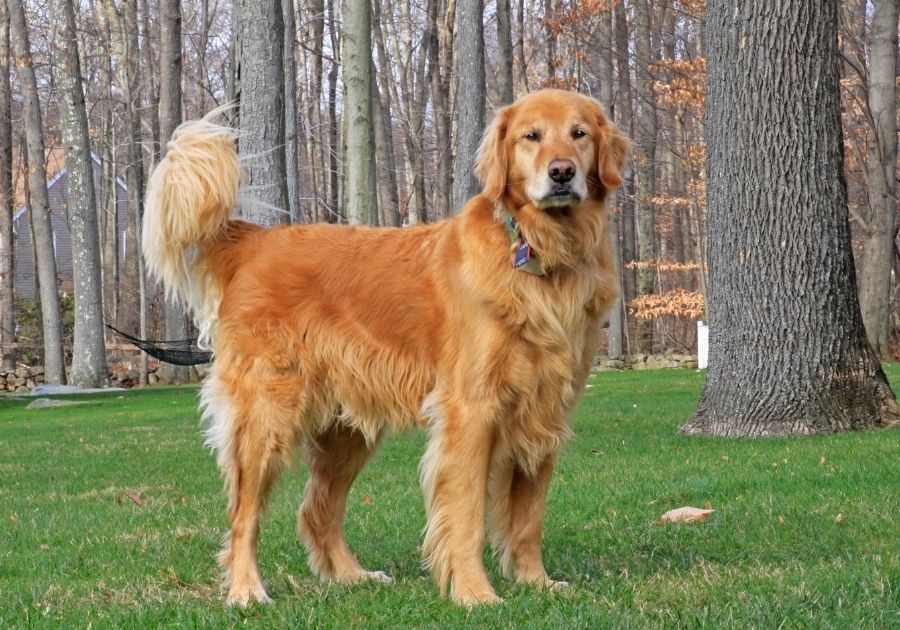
x=164 y=351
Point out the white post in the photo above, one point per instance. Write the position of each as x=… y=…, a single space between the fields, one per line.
x=702 y=345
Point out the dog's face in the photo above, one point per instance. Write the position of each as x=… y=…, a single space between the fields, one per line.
x=552 y=148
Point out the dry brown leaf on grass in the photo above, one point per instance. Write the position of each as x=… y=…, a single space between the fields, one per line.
x=367 y=501
x=136 y=497
x=685 y=515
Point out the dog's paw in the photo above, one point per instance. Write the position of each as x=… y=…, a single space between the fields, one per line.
x=377 y=576
x=243 y=597
x=468 y=598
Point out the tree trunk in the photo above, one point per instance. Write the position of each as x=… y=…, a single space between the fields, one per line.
x=878 y=246
x=169 y=118
x=504 y=54
x=469 y=36
x=362 y=207
x=291 y=151
x=520 y=47
x=440 y=54
x=260 y=52
x=132 y=311
x=107 y=210
x=387 y=164
x=788 y=350
x=645 y=165
x=7 y=322
x=624 y=119
x=89 y=348
x=149 y=79
x=334 y=211
x=44 y=254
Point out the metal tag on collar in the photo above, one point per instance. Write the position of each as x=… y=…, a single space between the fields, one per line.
x=524 y=258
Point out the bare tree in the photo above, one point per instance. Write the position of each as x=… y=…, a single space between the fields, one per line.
x=291 y=151
x=362 y=207
x=505 y=54
x=440 y=56
x=624 y=117
x=89 y=349
x=645 y=162
x=879 y=225
x=259 y=38
x=788 y=350
x=170 y=63
x=44 y=254
x=7 y=321
x=469 y=33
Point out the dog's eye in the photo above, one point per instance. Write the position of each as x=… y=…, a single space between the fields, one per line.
x=578 y=133
x=532 y=136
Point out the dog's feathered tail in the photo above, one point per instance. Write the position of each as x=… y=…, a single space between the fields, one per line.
x=191 y=194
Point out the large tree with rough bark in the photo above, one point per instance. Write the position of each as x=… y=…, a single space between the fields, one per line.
x=259 y=59
x=89 y=348
x=788 y=350
x=469 y=33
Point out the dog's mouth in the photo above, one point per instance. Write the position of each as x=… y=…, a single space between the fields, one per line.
x=561 y=195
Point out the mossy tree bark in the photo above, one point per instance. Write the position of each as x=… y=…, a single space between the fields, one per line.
x=788 y=351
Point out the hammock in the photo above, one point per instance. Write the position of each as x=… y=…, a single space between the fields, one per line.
x=164 y=350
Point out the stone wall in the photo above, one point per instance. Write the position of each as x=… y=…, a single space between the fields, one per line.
x=672 y=359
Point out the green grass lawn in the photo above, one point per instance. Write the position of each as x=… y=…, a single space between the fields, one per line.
x=76 y=549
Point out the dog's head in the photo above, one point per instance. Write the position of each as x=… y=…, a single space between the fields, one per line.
x=552 y=148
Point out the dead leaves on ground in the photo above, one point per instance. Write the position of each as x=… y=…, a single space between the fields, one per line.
x=685 y=515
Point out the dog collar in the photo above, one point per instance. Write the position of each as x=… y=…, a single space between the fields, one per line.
x=524 y=258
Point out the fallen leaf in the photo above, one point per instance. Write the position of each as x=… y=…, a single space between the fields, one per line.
x=839 y=518
x=367 y=501
x=13 y=518
x=594 y=451
x=136 y=497
x=685 y=515
x=822 y=461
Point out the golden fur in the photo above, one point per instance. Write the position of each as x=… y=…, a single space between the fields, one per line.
x=326 y=337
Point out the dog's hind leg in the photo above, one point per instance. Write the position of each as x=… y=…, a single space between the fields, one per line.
x=517 y=502
x=335 y=457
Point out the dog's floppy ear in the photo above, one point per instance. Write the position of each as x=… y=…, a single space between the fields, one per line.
x=491 y=161
x=612 y=153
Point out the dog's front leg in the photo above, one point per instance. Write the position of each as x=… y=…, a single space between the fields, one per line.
x=454 y=479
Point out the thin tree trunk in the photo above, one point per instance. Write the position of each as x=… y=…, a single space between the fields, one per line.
x=550 y=42
x=108 y=208
x=504 y=54
x=878 y=245
x=390 y=205
x=170 y=62
x=607 y=99
x=520 y=47
x=44 y=254
x=89 y=348
x=788 y=350
x=440 y=54
x=152 y=87
x=362 y=206
x=260 y=43
x=624 y=120
x=469 y=35
x=7 y=322
x=334 y=194
x=645 y=161
x=291 y=152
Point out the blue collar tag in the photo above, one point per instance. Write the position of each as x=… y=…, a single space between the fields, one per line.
x=523 y=254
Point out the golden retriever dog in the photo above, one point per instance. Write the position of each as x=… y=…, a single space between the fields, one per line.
x=481 y=328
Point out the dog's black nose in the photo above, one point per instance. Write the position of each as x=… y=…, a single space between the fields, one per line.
x=561 y=171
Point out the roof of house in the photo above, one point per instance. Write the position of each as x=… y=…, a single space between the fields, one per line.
x=59 y=174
